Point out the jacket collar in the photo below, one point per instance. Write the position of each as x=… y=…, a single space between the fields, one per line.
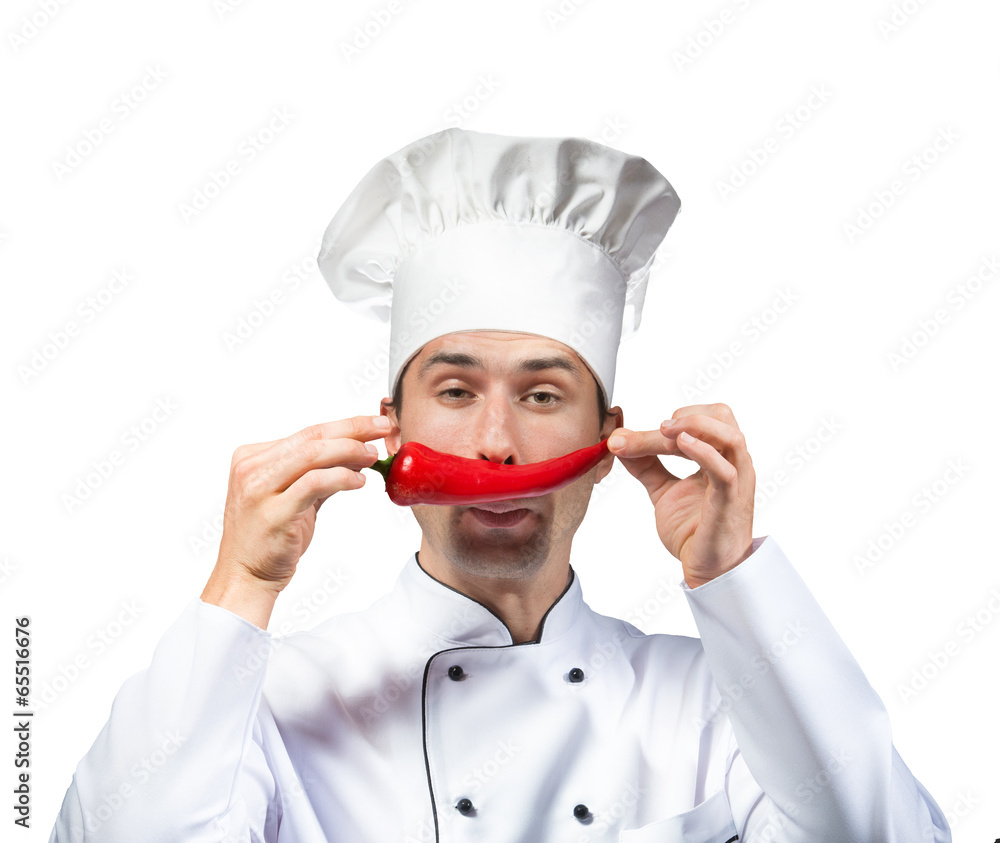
x=463 y=622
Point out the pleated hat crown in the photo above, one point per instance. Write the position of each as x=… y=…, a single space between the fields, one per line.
x=469 y=231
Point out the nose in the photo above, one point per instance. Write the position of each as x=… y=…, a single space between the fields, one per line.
x=495 y=429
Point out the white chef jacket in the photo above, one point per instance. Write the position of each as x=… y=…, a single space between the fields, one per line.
x=419 y=720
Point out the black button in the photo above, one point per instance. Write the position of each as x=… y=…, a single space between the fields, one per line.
x=576 y=675
x=464 y=805
x=455 y=672
x=581 y=812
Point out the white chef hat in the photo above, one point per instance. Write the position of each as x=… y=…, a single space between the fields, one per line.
x=468 y=231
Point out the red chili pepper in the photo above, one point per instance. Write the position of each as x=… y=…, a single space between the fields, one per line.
x=417 y=474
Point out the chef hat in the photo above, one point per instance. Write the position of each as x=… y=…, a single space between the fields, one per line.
x=468 y=231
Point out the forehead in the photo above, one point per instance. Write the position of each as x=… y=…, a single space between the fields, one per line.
x=499 y=351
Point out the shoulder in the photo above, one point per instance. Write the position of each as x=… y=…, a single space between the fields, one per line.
x=357 y=625
x=666 y=651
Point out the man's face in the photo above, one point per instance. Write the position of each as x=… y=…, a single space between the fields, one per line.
x=509 y=398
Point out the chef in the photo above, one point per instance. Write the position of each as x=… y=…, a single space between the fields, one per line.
x=482 y=699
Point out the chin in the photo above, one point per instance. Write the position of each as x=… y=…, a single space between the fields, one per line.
x=499 y=557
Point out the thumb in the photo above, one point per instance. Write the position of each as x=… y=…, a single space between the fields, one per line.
x=649 y=471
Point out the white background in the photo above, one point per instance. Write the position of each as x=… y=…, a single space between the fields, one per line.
x=701 y=90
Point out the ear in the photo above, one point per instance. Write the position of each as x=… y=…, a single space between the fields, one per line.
x=393 y=437
x=614 y=420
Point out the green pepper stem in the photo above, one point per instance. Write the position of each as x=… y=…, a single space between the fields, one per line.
x=383 y=466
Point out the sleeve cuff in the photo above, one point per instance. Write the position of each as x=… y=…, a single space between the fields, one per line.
x=754 y=547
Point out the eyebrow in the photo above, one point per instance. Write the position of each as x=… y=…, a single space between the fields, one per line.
x=470 y=361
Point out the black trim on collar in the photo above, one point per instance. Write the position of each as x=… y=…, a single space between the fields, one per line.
x=427 y=759
x=541 y=626
x=427 y=669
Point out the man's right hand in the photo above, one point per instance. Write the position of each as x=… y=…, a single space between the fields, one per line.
x=275 y=490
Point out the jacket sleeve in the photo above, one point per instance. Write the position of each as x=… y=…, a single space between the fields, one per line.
x=177 y=759
x=815 y=759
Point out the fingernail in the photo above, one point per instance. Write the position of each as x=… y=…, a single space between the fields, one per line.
x=371 y=449
x=381 y=422
x=686 y=437
x=667 y=423
x=616 y=441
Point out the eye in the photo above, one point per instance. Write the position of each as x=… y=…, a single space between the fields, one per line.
x=550 y=398
x=454 y=389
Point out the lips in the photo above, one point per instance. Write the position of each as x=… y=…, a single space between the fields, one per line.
x=499 y=513
x=498 y=506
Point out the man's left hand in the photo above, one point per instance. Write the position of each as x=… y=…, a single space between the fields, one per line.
x=706 y=519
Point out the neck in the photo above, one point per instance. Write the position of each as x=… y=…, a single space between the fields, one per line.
x=520 y=603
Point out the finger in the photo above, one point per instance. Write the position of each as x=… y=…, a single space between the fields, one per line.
x=721 y=412
x=319 y=484
x=630 y=444
x=724 y=437
x=653 y=475
x=321 y=454
x=360 y=428
x=261 y=478
x=281 y=463
x=640 y=443
x=721 y=473
x=727 y=439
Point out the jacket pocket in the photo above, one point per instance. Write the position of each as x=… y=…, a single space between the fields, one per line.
x=710 y=822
